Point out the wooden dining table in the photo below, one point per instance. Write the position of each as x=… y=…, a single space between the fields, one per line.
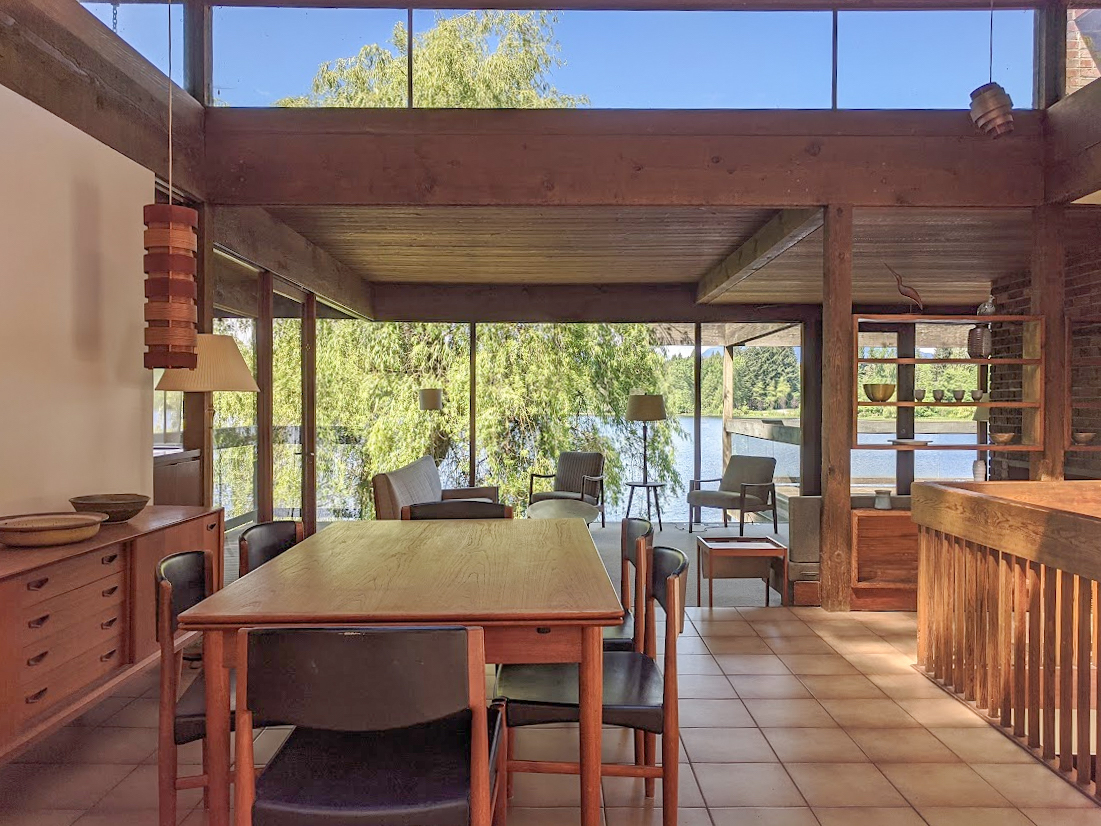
x=537 y=586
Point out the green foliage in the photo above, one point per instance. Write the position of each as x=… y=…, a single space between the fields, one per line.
x=766 y=378
x=680 y=381
x=480 y=59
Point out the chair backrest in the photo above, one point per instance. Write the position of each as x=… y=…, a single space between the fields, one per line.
x=187 y=573
x=668 y=567
x=264 y=541
x=358 y=679
x=634 y=529
x=409 y=485
x=742 y=470
x=573 y=467
x=457 y=509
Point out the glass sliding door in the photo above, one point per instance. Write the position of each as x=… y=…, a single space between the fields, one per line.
x=288 y=457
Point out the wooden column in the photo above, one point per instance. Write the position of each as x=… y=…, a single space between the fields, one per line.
x=198 y=50
x=728 y=399
x=472 y=473
x=309 y=414
x=906 y=341
x=697 y=409
x=1050 y=54
x=265 y=402
x=810 y=409
x=1048 y=294
x=198 y=424
x=837 y=401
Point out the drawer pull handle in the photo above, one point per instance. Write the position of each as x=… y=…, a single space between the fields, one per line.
x=38 y=623
x=107 y=560
x=109 y=591
x=110 y=655
x=542 y=630
x=108 y=623
x=37 y=658
x=212 y=526
x=38 y=584
x=38 y=695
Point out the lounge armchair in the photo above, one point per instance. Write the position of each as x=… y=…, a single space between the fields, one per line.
x=418 y=483
x=746 y=486
x=577 y=476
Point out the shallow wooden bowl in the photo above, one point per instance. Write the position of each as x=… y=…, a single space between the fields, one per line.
x=118 y=506
x=37 y=530
x=879 y=392
x=1002 y=438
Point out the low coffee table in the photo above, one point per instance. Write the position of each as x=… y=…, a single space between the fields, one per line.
x=563 y=509
x=712 y=549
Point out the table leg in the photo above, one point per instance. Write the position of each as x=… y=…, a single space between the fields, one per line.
x=657 y=507
x=590 y=696
x=711 y=580
x=699 y=575
x=216 y=676
x=649 y=513
x=630 y=499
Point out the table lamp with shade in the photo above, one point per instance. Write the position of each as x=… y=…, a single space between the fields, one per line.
x=645 y=408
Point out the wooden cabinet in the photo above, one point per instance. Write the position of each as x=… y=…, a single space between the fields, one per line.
x=77 y=620
x=885 y=561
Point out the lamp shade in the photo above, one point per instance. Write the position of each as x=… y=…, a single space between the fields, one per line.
x=645 y=407
x=431 y=398
x=220 y=367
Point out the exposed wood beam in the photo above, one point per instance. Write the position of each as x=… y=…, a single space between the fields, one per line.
x=564 y=303
x=57 y=54
x=656 y=5
x=1048 y=276
x=1074 y=145
x=261 y=239
x=783 y=231
x=198 y=38
x=600 y=157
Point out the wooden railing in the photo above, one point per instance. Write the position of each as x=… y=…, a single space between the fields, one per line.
x=1016 y=636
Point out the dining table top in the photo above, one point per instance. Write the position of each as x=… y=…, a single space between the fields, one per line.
x=483 y=572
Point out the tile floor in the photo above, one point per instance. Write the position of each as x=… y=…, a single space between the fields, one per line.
x=790 y=717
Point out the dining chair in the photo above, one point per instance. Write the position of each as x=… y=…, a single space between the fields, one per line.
x=632 y=531
x=391 y=727
x=266 y=540
x=183 y=580
x=637 y=695
x=456 y=509
x=747 y=486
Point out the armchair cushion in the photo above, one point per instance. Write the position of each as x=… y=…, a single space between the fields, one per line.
x=747 y=469
x=486 y=493
x=726 y=499
x=417 y=483
x=543 y=495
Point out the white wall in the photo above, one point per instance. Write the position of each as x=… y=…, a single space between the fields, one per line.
x=76 y=404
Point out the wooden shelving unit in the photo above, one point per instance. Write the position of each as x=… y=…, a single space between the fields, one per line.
x=1091 y=362
x=1031 y=363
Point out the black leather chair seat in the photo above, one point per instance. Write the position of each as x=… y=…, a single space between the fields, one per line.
x=191 y=710
x=620 y=637
x=415 y=776
x=545 y=495
x=537 y=694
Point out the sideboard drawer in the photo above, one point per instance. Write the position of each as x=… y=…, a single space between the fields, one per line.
x=40 y=694
x=66 y=644
x=61 y=577
x=39 y=621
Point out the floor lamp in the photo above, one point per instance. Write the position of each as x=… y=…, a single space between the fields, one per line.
x=645 y=408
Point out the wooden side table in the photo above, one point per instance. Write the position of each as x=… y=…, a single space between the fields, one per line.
x=655 y=487
x=721 y=555
x=884 y=561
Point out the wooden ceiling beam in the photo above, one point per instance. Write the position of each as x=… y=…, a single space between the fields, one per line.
x=656 y=5
x=297 y=157
x=255 y=236
x=1074 y=146
x=783 y=231
x=58 y=55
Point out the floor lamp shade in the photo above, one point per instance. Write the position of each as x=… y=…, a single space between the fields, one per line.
x=645 y=407
x=431 y=398
x=220 y=367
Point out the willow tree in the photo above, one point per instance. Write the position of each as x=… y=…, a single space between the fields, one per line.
x=542 y=389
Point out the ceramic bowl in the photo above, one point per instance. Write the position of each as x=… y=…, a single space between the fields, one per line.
x=976 y=395
x=38 y=530
x=938 y=395
x=919 y=394
x=1083 y=437
x=118 y=506
x=879 y=392
x=1002 y=438
x=957 y=395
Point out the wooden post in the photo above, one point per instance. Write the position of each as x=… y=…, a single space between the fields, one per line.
x=906 y=342
x=1048 y=383
x=265 y=402
x=728 y=399
x=697 y=410
x=837 y=400
x=472 y=473
x=198 y=424
x=1050 y=54
x=810 y=409
x=198 y=50
x=309 y=414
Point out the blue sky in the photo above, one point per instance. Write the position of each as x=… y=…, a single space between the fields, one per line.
x=646 y=59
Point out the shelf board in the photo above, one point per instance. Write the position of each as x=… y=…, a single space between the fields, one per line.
x=1083 y=448
x=948 y=361
x=947 y=319
x=1093 y=405
x=966 y=403
x=970 y=448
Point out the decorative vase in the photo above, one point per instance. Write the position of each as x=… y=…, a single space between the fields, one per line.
x=978 y=470
x=980 y=342
x=882 y=500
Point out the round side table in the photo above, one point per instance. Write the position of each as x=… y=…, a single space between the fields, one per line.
x=649 y=487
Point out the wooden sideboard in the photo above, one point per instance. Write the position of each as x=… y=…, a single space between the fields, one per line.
x=78 y=620
x=885 y=560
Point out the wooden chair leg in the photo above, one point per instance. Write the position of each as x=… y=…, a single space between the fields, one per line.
x=775 y=520
x=510 y=748
x=166 y=779
x=741 y=523
x=206 y=786
x=670 y=778
x=639 y=747
x=500 y=797
x=651 y=759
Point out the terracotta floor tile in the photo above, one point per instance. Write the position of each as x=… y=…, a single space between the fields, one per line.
x=843 y=784
x=704 y=687
x=707 y=713
x=63 y=786
x=912 y=686
x=845 y=629
x=137 y=714
x=946 y=713
x=136 y=817
x=737 y=645
x=521 y=816
x=1032 y=785
x=138 y=791
x=727 y=745
x=545 y=790
x=746 y=784
x=801 y=816
x=631 y=791
x=814 y=745
x=102 y=711
x=783 y=630
x=687 y=645
x=773 y=613
x=869 y=816
x=723 y=614
x=893 y=663
x=139 y=685
x=649 y=816
x=697 y=664
x=617 y=746
x=751 y=664
x=799 y=645
x=769 y=686
x=869 y=714
x=1063 y=817
x=810 y=664
x=80 y=744
x=981 y=745
x=973 y=816
x=844 y=686
x=942 y=784
x=902 y=745
x=724 y=628
x=789 y=713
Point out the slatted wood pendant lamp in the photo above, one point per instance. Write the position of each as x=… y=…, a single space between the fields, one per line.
x=171 y=242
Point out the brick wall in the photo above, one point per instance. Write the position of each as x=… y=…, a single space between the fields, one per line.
x=1083 y=32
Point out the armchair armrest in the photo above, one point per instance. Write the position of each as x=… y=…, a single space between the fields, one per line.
x=598 y=481
x=694 y=484
x=770 y=489
x=531 y=482
x=485 y=492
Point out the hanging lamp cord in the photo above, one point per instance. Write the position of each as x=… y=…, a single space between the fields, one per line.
x=991 y=77
x=170 y=96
